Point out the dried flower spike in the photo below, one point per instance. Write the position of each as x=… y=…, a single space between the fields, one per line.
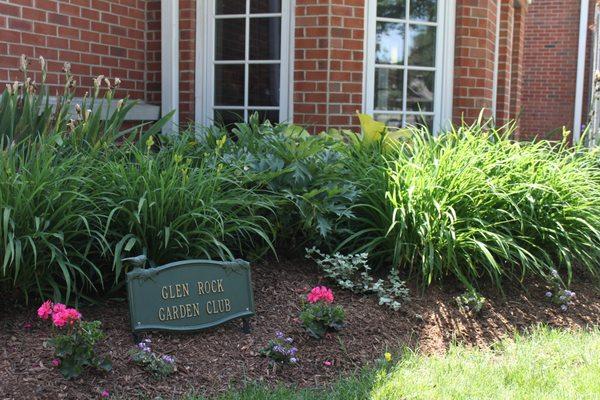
x=23 y=63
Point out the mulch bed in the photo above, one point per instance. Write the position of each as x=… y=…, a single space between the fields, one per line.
x=212 y=361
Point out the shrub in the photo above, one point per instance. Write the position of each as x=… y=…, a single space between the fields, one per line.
x=49 y=232
x=159 y=205
x=472 y=203
x=303 y=174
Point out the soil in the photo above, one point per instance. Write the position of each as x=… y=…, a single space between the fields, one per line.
x=211 y=361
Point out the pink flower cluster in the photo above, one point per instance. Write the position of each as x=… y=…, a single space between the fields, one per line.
x=61 y=314
x=320 y=293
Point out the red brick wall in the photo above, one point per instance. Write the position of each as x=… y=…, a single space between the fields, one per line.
x=549 y=67
x=153 y=65
x=187 y=62
x=474 y=59
x=328 y=68
x=95 y=36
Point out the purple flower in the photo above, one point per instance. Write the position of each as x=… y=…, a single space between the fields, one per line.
x=143 y=346
x=168 y=359
x=293 y=351
x=293 y=360
x=548 y=294
x=289 y=340
x=105 y=394
x=564 y=307
x=279 y=349
x=279 y=335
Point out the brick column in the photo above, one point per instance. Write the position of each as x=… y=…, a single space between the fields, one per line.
x=474 y=58
x=328 y=69
x=187 y=61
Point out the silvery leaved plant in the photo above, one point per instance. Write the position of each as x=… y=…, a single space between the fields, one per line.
x=352 y=272
x=559 y=295
x=471 y=301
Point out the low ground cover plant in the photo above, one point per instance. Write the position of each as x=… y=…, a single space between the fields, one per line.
x=280 y=350
x=160 y=366
x=74 y=340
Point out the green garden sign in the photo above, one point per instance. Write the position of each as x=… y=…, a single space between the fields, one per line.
x=189 y=295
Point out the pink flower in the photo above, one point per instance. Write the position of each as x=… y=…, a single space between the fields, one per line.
x=68 y=316
x=58 y=307
x=320 y=293
x=105 y=394
x=327 y=363
x=56 y=362
x=45 y=310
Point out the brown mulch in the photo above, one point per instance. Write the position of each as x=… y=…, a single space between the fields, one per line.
x=211 y=361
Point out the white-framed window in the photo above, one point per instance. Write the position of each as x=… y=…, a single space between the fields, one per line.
x=409 y=61
x=244 y=60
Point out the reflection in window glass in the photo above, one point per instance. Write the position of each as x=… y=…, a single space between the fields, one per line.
x=391 y=9
x=230 y=7
x=263 y=115
x=421 y=46
x=390 y=43
x=225 y=117
x=423 y=10
x=263 y=85
x=229 y=85
x=229 y=39
x=389 y=92
x=265 y=38
x=419 y=93
x=394 y=120
x=420 y=121
x=265 y=6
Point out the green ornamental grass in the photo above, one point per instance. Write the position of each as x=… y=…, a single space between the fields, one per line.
x=474 y=204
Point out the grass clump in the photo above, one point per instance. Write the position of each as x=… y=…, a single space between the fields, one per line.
x=474 y=204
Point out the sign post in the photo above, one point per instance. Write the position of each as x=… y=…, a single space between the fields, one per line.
x=190 y=295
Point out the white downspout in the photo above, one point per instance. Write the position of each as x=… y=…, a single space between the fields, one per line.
x=169 y=35
x=496 y=61
x=583 y=22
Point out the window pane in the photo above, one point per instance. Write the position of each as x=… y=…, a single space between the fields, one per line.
x=420 y=121
x=229 y=85
x=228 y=117
x=271 y=115
x=265 y=6
x=388 y=88
x=390 y=43
x=263 y=89
x=265 y=38
x=423 y=10
x=421 y=45
x=419 y=94
x=394 y=120
x=230 y=7
x=391 y=9
x=229 y=39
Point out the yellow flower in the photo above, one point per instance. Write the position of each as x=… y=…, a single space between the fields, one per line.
x=388 y=357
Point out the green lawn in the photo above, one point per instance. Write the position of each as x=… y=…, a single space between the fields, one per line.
x=547 y=364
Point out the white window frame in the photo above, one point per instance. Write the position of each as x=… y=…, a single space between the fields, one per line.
x=444 y=62
x=205 y=62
